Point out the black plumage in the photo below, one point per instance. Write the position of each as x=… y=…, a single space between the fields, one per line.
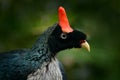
x=39 y=62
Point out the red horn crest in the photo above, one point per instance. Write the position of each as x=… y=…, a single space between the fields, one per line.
x=63 y=20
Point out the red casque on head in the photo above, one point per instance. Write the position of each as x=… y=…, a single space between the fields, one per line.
x=63 y=20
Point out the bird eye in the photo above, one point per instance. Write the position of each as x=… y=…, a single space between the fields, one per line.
x=63 y=35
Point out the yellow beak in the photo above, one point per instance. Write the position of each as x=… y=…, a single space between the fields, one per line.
x=85 y=45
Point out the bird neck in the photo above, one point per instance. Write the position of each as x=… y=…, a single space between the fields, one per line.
x=40 y=52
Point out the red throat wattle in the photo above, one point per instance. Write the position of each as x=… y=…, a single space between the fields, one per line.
x=63 y=20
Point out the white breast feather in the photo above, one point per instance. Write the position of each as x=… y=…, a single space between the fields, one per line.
x=52 y=73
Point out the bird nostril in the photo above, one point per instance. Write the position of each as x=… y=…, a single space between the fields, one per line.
x=82 y=41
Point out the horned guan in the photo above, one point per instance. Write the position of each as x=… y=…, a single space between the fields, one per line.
x=40 y=62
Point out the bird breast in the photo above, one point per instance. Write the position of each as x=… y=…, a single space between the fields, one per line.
x=51 y=72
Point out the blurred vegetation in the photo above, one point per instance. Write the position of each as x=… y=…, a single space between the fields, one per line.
x=22 y=21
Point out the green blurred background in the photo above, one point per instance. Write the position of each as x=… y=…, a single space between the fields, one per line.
x=22 y=21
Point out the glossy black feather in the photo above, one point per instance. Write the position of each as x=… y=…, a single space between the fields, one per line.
x=30 y=63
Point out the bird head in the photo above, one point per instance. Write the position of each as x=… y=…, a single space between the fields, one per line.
x=64 y=37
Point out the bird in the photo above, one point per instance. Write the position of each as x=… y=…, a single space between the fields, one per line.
x=39 y=62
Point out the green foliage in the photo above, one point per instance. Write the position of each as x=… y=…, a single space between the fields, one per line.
x=21 y=22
